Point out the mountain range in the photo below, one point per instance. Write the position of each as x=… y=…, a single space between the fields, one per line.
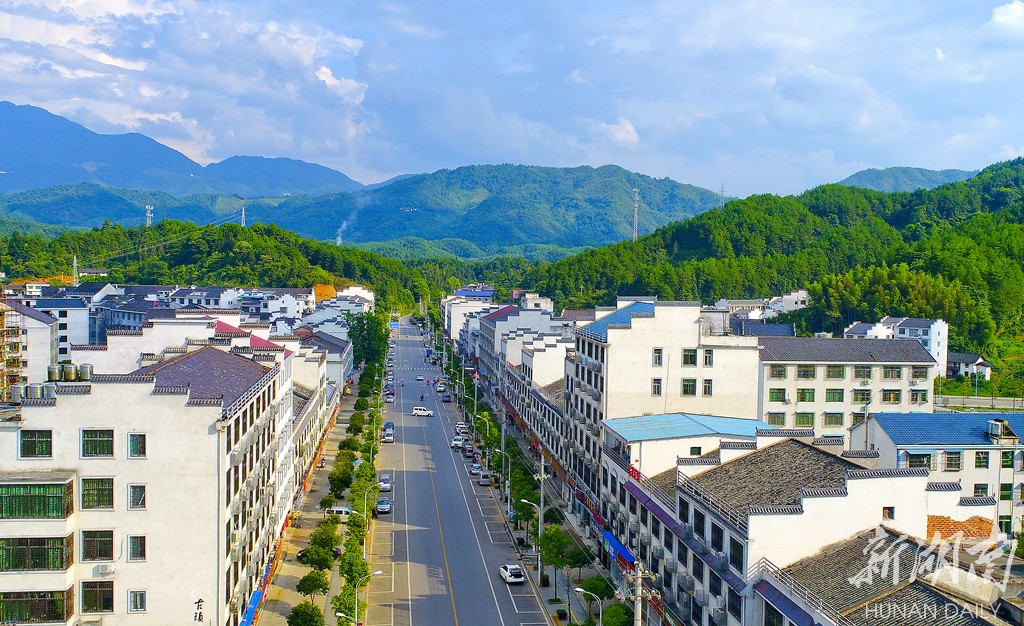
x=904 y=178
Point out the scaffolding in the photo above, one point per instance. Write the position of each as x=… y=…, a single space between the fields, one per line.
x=11 y=326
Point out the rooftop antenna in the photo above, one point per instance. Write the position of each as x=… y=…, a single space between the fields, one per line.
x=636 y=210
x=149 y=215
x=243 y=217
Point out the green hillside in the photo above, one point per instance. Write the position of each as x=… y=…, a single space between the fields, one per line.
x=904 y=178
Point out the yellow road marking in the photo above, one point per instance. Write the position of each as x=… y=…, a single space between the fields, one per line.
x=444 y=551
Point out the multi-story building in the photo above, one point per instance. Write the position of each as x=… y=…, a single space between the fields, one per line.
x=980 y=455
x=831 y=384
x=73 y=321
x=496 y=327
x=208 y=297
x=338 y=355
x=933 y=334
x=968 y=364
x=35 y=346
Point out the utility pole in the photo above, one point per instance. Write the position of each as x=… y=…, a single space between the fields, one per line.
x=636 y=210
x=639 y=594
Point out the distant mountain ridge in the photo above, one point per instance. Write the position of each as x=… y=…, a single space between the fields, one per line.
x=40 y=149
x=904 y=178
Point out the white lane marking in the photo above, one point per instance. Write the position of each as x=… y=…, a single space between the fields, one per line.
x=513 y=597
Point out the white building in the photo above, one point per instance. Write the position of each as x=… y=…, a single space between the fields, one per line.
x=933 y=334
x=73 y=322
x=207 y=297
x=358 y=292
x=338 y=355
x=968 y=364
x=36 y=342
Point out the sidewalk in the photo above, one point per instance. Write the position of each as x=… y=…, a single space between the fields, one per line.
x=281 y=596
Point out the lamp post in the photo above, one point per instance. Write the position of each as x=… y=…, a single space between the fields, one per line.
x=600 y=608
x=360 y=584
x=340 y=614
x=540 y=522
x=505 y=494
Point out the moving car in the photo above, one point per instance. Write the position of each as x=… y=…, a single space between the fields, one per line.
x=512 y=574
x=457 y=442
x=383 y=505
x=441 y=387
x=389 y=425
x=419 y=378
x=446 y=398
x=385 y=482
x=341 y=510
x=422 y=410
x=390 y=398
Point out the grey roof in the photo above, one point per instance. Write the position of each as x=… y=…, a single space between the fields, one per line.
x=207 y=292
x=775 y=474
x=829 y=350
x=137 y=305
x=578 y=315
x=28 y=311
x=89 y=288
x=325 y=341
x=60 y=303
x=969 y=358
x=208 y=373
x=859 y=328
x=915 y=322
x=761 y=328
x=554 y=393
x=918 y=604
x=146 y=290
x=160 y=312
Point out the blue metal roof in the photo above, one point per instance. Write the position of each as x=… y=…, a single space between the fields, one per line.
x=677 y=425
x=475 y=293
x=599 y=329
x=959 y=429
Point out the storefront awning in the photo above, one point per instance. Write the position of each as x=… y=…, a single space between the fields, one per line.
x=250 y=609
x=612 y=545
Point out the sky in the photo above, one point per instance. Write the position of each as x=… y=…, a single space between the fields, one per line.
x=759 y=96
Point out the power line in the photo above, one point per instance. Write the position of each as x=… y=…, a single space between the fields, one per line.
x=163 y=242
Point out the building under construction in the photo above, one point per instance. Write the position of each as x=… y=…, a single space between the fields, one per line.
x=11 y=331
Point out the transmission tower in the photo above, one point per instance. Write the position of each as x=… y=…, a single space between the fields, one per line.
x=721 y=192
x=243 y=217
x=636 y=210
x=149 y=215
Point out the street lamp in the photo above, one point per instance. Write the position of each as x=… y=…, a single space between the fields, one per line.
x=600 y=608
x=540 y=520
x=504 y=477
x=360 y=584
x=340 y=614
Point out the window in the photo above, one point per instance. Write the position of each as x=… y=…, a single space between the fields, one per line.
x=35 y=553
x=858 y=418
x=981 y=459
x=136 y=548
x=776 y=419
x=695 y=450
x=136 y=496
x=888 y=512
x=1007 y=459
x=1005 y=523
x=892 y=372
x=805 y=395
x=777 y=372
x=918 y=396
x=684 y=511
x=40 y=501
x=136 y=445
x=736 y=554
x=97 y=493
x=954 y=461
x=735 y=604
x=862 y=396
x=834 y=395
x=97 y=443
x=919 y=372
x=891 y=396
x=863 y=372
x=772 y=616
x=715 y=584
x=655 y=386
x=689 y=386
x=806 y=372
x=776 y=395
x=689 y=357
x=97 y=545
x=697 y=568
x=707 y=386
x=38 y=606
x=62 y=326
x=656 y=357
x=835 y=372
x=805 y=420
x=62 y=313
x=833 y=419
x=36 y=444
x=980 y=490
x=98 y=596
x=717 y=538
x=698 y=524
x=1006 y=491
x=709 y=358
x=136 y=601
x=919 y=460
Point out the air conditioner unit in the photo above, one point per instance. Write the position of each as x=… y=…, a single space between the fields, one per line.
x=687 y=530
x=683 y=599
x=106 y=568
x=658 y=552
x=233 y=603
x=715 y=602
x=670 y=563
x=685 y=580
x=236 y=552
x=702 y=597
x=720 y=560
x=236 y=457
x=645 y=537
x=702 y=547
x=634 y=527
x=718 y=616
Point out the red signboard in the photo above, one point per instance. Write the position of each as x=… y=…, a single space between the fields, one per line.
x=634 y=473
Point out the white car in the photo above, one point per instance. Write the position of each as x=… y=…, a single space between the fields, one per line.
x=390 y=399
x=512 y=574
x=388 y=437
x=422 y=411
x=456 y=442
x=419 y=378
x=385 y=482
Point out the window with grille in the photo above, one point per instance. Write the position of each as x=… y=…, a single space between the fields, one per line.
x=36 y=501
x=805 y=420
x=709 y=358
x=36 y=553
x=919 y=461
x=892 y=372
x=806 y=372
x=777 y=372
x=97 y=443
x=892 y=396
x=689 y=356
x=862 y=372
x=954 y=461
x=862 y=396
x=835 y=372
x=805 y=395
x=777 y=395
x=136 y=496
x=833 y=419
x=834 y=395
x=36 y=444
x=689 y=387
x=136 y=601
x=776 y=419
x=98 y=596
x=97 y=493
x=981 y=459
x=137 y=548
x=97 y=545
x=918 y=396
x=136 y=445
x=919 y=372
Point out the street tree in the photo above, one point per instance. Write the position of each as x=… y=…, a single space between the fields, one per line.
x=306 y=614
x=553 y=545
x=314 y=582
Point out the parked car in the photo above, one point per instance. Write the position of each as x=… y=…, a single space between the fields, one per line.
x=484 y=479
x=384 y=484
x=446 y=398
x=457 y=442
x=341 y=510
x=390 y=399
x=388 y=437
x=512 y=574
x=383 y=505
x=475 y=469
x=389 y=425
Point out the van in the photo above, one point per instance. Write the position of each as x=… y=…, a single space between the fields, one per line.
x=484 y=478
x=341 y=511
x=422 y=411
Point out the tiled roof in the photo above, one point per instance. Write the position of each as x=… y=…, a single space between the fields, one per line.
x=919 y=604
x=578 y=315
x=326 y=341
x=859 y=328
x=621 y=318
x=829 y=350
x=775 y=474
x=209 y=373
x=969 y=358
x=89 y=288
x=677 y=425
x=554 y=393
x=916 y=322
x=500 y=314
x=944 y=486
x=976 y=527
x=60 y=303
x=28 y=311
x=962 y=429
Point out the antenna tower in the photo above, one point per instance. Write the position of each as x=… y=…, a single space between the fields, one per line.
x=243 y=217
x=149 y=215
x=721 y=192
x=636 y=210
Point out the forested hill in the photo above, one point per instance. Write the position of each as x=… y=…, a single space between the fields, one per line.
x=904 y=178
x=954 y=252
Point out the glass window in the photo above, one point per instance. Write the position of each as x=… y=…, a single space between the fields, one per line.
x=136 y=445
x=833 y=419
x=862 y=372
x=980 y=490
x=918 y=396
x=37 y=606
x=136 y=496
x=805 y=420
x=684 y=511
x=97 y=545
x=772 y=616
x=98 y=596
x=805 y=395
x=689 y=357
x=97 y=443
x=655 y=386
x=136 y=601
x=21 y=501
x=35 y=553
x=137 y=548
x=891 y=396
x=776 y=419
x=697 y=568
x=707 y=387
x=777 y=372
x=97 y=493
x=709 y=358
x=954 y=461
x=806 y=372
x=835 y=372
x=776 y=395
x=717 y=538
x=919 y=372
x=714 y=584
x=862 y=396
x=736 y=554
x=699 y=520
x=1005 y=523
x=36 y=444
x=695 y=450
x=689 y=386
x=892 y=372
x=858 y=418
x=735 y=604
x=656 y=357
x=1007 y=459
x=1006 y=491
x=919 y=460
x=981 y=459
x=834 y=395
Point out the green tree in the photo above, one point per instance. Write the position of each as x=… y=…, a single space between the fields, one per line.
x=306 y=614
x=554 y=545
x=327 y=502
x=618 y=615
x=598 y=585
x=318 y=557
x=325 y=537
x=316 y=581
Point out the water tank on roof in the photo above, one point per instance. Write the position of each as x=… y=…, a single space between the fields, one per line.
x=70 y=372
x=34 y=391
x=53 y=373
x=50 y=391
x=85 y=371
x=17 y=392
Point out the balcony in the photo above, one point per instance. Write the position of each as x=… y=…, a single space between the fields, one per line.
x=620 y=458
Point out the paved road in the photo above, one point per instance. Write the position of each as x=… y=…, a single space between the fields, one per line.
x=440 y=548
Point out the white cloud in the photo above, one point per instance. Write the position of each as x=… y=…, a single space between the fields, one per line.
x=940 y=55
x=1009 y=17
x=621 y=133
x=576 y=77
x=350 y=91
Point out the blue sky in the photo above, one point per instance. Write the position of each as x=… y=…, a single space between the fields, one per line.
x=762 y=96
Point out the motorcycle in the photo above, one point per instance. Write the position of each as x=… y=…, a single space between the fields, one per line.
x=421 y=397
